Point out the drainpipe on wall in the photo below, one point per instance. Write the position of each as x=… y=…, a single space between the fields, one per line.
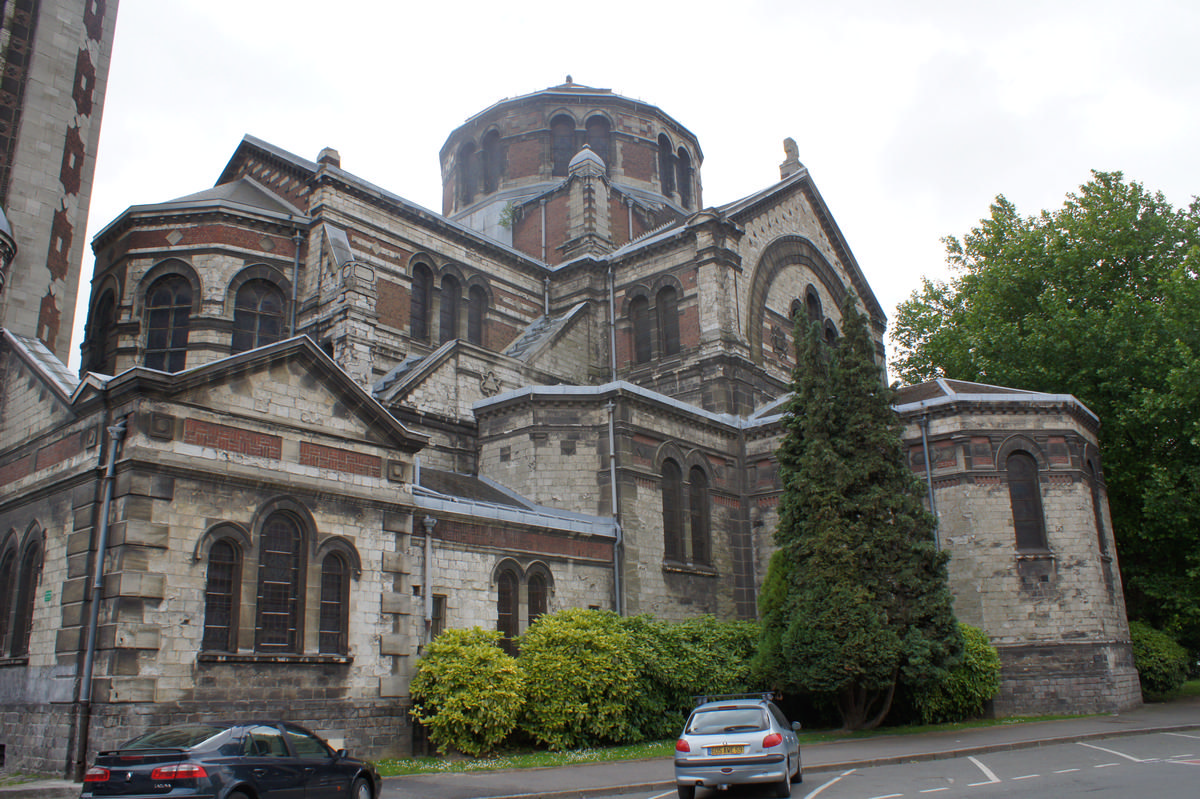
x=116 y=434
x=429 y=523
x=612 y=323
x=924 y=423
x=296 y=239
x=543 y=204
x=546 y=294
x=618 y=593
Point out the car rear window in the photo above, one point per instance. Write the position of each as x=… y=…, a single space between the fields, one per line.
x=182 y=737
x=727 y=719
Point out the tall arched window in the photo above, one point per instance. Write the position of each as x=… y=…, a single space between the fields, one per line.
x=27 y=579
x=639 y=317
x=421 y=302
x=468 y=171
x=698 y=505
x=599 y=131
x=538 y=596
x=1025 y=494
x=335 y=596
x=280 y=585
x=813 y=304
x=490 y=152
x=168 y=316
x=477 y=303
x=506 y=607
x=666 y=165
x=562 y=143
x=102 y=336
x=221 y=597
x=683 y=172
x=257 y=315
x=672 y=509
x=8 y=566
x=448 y=321
x=668 y=320
x=831 y=334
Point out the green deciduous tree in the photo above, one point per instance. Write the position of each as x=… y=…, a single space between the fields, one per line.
x=1099 y=299
x=856 y=599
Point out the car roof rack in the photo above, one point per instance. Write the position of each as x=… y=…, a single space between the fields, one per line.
x=766 y=696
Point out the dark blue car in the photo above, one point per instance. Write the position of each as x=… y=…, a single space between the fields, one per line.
x=235 y=760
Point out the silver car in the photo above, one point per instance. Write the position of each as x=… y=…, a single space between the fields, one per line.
x=737 y=740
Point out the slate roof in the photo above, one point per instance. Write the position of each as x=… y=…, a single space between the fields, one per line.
x=539 y=332
x=39 y=356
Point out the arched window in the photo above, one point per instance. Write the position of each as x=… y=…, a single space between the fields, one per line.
x=27 y=579
x=168 y=316
x=422 y=301
x=668 y=320
x=666 y=165
x=491 y=161
x=102 y=336
x=468 y=171
x=538 y=596
x=257 y=315
x=477 y=303
x=221 y=597
x=672 y=509
x=280 y=585
x=448 y=321
x=831 y=334
x=813 y=304
x=1025 y=494
x=562 y=143
x=795 y=311
x=8 y=565
x=506 y=608
x=639 y=317
x=335 y=595
x=698 y=504
x=1097 y=507
x=683 y=172
x=599 y=131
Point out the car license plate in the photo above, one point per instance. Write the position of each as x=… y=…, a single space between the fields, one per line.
x=728 y=750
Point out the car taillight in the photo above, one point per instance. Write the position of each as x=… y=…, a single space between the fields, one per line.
x=682 y=746
x=179 y=771
x=96 y=774
x=774 y=739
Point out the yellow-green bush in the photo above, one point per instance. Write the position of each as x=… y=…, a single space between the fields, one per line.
x=965 y=692
x=1162 y=664
x=468 y=692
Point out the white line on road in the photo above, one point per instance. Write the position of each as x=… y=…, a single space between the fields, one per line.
x=1066 y=771
x=1106 y=765
x=1182 y=735
x=1027 y=776
x=1113 y=752
x=933 y=790
x=888 y=796
x=836 y=779
x=661 y=795
x=987 y=772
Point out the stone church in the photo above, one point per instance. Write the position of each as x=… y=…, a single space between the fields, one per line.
x=317 y=423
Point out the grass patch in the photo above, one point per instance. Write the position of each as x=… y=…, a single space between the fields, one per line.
x=1190 y=688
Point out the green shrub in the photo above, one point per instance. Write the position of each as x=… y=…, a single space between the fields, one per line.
x=467 y=691
x=580 y=679
x=965 y=691
x=1162 y=664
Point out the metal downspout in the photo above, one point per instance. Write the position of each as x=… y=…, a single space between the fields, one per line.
x=543 y=204
x=116 y=435
x=924 y=424
x=546 y=294
x=429 y=523
x=612 y=323
x=296 y=239
x=618 y=592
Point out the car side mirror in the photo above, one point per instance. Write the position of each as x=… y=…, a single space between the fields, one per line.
x=340 y=754
x=795 y=726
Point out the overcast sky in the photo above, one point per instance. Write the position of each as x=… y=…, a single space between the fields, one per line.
x=910 y=116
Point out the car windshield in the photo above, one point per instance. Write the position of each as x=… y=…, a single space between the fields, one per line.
x=182 y=737
x=727 y=719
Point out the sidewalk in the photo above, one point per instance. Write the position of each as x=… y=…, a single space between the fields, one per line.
x=637 y=775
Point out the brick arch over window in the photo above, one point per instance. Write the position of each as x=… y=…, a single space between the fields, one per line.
x=780 y=254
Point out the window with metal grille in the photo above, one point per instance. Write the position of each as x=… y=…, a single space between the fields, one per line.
x=668 y=319
x=334 y=597
x=1025 y=495
x=422 y=300
x=506 y=609
x=448 y=322
x=639 y=317
x=168 y=317
x=257 y=315
x=221 y=597
x=27 y=579
x=672 y=510
x=698 y=504
x=562 y=143
x=280 y=585
x=539 y=597
x=477 y=303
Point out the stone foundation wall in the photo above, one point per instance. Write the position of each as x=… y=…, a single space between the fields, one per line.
x=1067 y=678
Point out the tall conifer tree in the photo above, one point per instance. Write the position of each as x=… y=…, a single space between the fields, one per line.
x=856 y=599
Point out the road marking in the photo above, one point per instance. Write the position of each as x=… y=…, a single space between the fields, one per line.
x=1066 y=771
x=1182 y=735
x=1106 y=765
x=888 y=796
x=987 y=772
x=933 y=790
x=836 y=779
x=1114 y=752
x=1027 y=776
x=661 y=795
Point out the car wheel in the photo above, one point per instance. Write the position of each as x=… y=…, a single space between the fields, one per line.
x=687 y=791
x=361 y=789
x=799 y=775
x=784 y=787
